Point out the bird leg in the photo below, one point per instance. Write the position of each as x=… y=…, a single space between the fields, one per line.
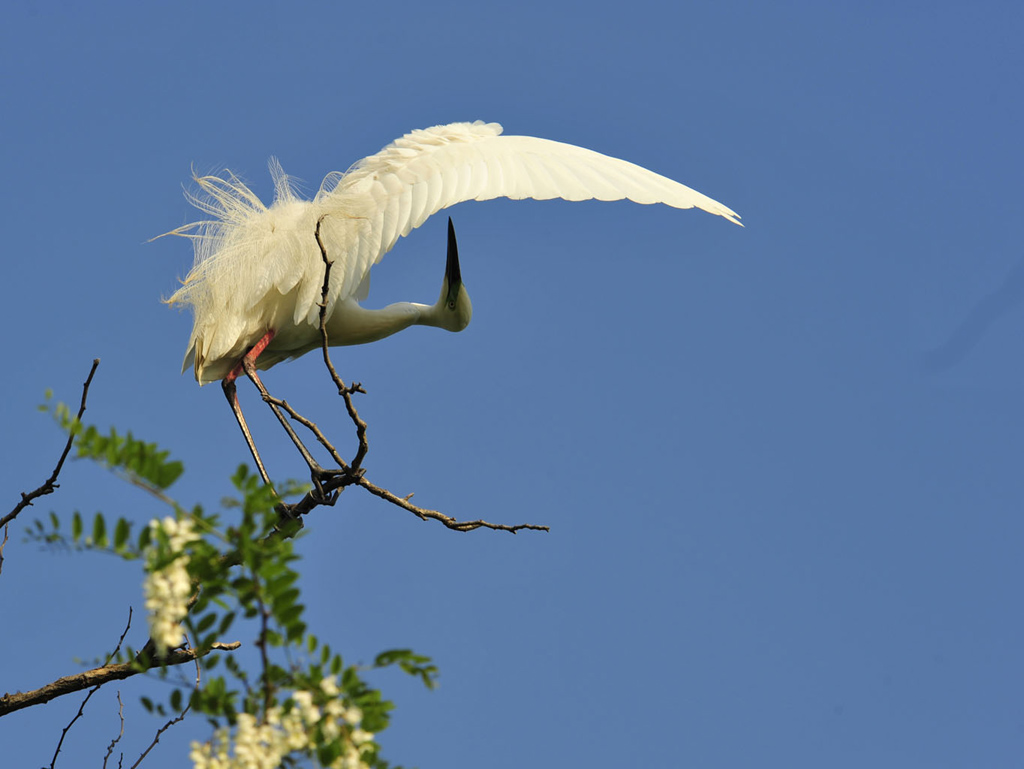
x=248 y=365
x=317 y=472
x=231 y=393
x=254 y=352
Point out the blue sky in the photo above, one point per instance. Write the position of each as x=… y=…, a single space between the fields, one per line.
x=781 y=464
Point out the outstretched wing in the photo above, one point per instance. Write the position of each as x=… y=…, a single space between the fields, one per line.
x=387 y=195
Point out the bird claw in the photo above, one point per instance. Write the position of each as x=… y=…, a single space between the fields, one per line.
x=322 y=476
x=324 y=498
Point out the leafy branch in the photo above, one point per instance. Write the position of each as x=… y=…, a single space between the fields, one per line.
x=207 y=575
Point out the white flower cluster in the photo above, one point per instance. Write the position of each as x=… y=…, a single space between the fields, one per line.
x=264 y=746
x=168 y=590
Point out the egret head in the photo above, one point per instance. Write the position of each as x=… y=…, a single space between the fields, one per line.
x=453 y=308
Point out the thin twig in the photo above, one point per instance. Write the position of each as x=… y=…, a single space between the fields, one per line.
x=448 y=521
x=311 y=426
x=120 y=734
x=2 y=546
x=343 y=390
x=63 y=734
x=51 y=484
x=337 y=482
x=156 y=737
x=81 y=708
x=101 y=675
x=120 y=640
x=350 y=476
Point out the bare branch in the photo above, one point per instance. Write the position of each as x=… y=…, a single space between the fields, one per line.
x=330 y=481
x=2 y=546
x=63 y=734
x=92 y=691
x=353 y=473
x=101 y=675
x=50 y=484
x=339 y=480
x=120 y=640
x=120 y=734
x=311 y=426
x=451 y=523
x=156 y=737
x=343 y=390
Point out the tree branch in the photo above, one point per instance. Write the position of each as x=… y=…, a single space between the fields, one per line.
x=51 y=484
x=451 y=523
x=64 y=733
x=352 y=474
x=101 y=675
x=343 y=390
x=120 y=734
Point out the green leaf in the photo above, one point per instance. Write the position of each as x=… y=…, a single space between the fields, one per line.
x=111 y=454
x=286 y=597
x=99 y=531
x=225 y=623
x=274 y=638
x=169 y=473
x=206 y=623
x=76 y=526
x=291 y=614
x=176 y=699
x=414 y=664
x=329 y=753
x=121 y=533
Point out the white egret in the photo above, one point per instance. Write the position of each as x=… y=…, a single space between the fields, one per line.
x=258 y=274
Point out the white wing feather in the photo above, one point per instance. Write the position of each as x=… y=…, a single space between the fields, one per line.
x=259 y=268
x=431 y=169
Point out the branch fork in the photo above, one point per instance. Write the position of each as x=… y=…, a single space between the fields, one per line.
x=329 y=483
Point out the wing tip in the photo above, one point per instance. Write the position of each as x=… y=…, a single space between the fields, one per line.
x=731 y=215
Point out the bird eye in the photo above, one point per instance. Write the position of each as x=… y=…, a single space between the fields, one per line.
x=451 y=305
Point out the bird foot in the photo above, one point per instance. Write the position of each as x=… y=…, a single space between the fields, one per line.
x=338 y=479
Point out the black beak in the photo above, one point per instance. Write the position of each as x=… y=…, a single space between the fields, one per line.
x=451 y=270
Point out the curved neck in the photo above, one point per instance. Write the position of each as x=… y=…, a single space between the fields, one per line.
x=351 y=324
